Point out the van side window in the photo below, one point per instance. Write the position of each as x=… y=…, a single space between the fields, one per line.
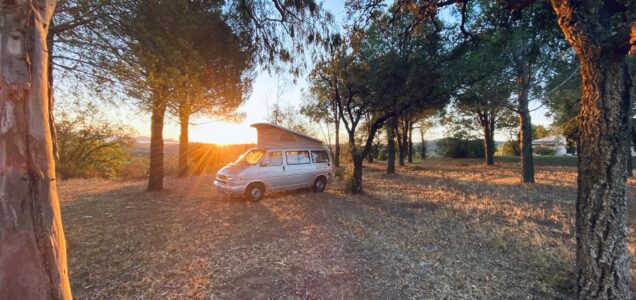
x=297 y=157
x=275 y=158
x=319 y=157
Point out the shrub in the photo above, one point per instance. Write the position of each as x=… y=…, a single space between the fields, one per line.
x=135 y=168
x=540 y=150
x=511 y=148
x=91 y=146
x=459 y=148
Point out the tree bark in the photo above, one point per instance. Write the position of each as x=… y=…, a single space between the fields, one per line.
x=390 y=134
x=336 y=157
x=423 y=145
x=401 y=139
x=184 y=120
x=32 y=245
x=489 y=139
x=357 y=174
x=525 y=132
x=602 y=263
x=410 y=142
x=155 y=176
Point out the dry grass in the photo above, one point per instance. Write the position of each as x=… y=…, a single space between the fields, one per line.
x=441 y=229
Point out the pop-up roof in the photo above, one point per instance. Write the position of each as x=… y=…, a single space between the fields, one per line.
x=274 y=136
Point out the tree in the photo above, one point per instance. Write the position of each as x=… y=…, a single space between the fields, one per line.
x=33 y=250
x=602 y=33
x=211 y=73
x=325 y=89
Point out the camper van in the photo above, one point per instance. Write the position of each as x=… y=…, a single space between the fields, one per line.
x=282 y=160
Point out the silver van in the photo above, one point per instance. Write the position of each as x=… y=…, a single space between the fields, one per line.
x=261 y=170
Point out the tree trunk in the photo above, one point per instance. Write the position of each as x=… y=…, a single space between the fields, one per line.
x=423 y=145
x=489 y=140
x=410 y=143
x=400 y=142
x=370 y=156
x=336 y=157
x=525 y=133
x=602 y=261
x=155 y=176
x=601 y=256
x=630 y=160
x=356 y=184
x=184 y=120
x=32 y=244
x=390 y=131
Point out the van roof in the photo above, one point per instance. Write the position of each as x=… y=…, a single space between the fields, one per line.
x=270 y=125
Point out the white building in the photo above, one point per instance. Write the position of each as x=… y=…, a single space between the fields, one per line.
x=556 y=142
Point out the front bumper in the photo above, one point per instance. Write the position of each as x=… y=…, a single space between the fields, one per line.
x=228 y=189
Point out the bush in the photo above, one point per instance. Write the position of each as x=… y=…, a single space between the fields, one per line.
x=134 y=169
x=544 y=151
x=89 y=145
x=459 y=148
x=511 y=148
x=383 y=155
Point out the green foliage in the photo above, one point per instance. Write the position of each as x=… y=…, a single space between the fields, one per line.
x=540 y=150
x=511 y=148
x=460 y=148
x=90 y=146
x=540 y=131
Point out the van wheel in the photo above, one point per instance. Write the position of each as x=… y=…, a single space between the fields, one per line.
x=319 y=185
x=254 y=192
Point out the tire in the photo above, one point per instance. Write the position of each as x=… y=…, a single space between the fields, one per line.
x=254 y=192
x=319 y=185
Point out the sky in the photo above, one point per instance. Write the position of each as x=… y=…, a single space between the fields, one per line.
x=264 y=94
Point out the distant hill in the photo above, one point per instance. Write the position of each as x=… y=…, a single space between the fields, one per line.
x=146 y=140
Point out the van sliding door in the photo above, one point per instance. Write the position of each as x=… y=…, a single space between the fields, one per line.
x=299 y=170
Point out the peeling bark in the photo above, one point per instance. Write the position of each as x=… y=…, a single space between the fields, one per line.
x=32 y=245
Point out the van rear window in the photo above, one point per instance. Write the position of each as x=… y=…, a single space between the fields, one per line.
x=319 y=157
x=297 y=157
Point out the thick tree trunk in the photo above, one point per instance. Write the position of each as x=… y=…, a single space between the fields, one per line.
x=390 y=131
x=356 y=187
x=601 y=256
x=336 y=157
x=184 y=120
x=630 y=161
x=370 y=156
x=489 y=141
x=525 y=132
x=410 y=143
x=602 y=261
x=155 y=176
x=32 y=244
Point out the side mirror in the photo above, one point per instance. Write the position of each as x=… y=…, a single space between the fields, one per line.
x=264 y=163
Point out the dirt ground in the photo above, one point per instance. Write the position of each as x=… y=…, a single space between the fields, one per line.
x=440 y=229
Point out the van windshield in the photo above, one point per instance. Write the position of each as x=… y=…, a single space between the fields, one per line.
x=250 y=157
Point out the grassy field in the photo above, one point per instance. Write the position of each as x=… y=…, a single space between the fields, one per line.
x=441 y=228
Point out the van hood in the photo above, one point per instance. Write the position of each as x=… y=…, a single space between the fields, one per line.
x=232 y=170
